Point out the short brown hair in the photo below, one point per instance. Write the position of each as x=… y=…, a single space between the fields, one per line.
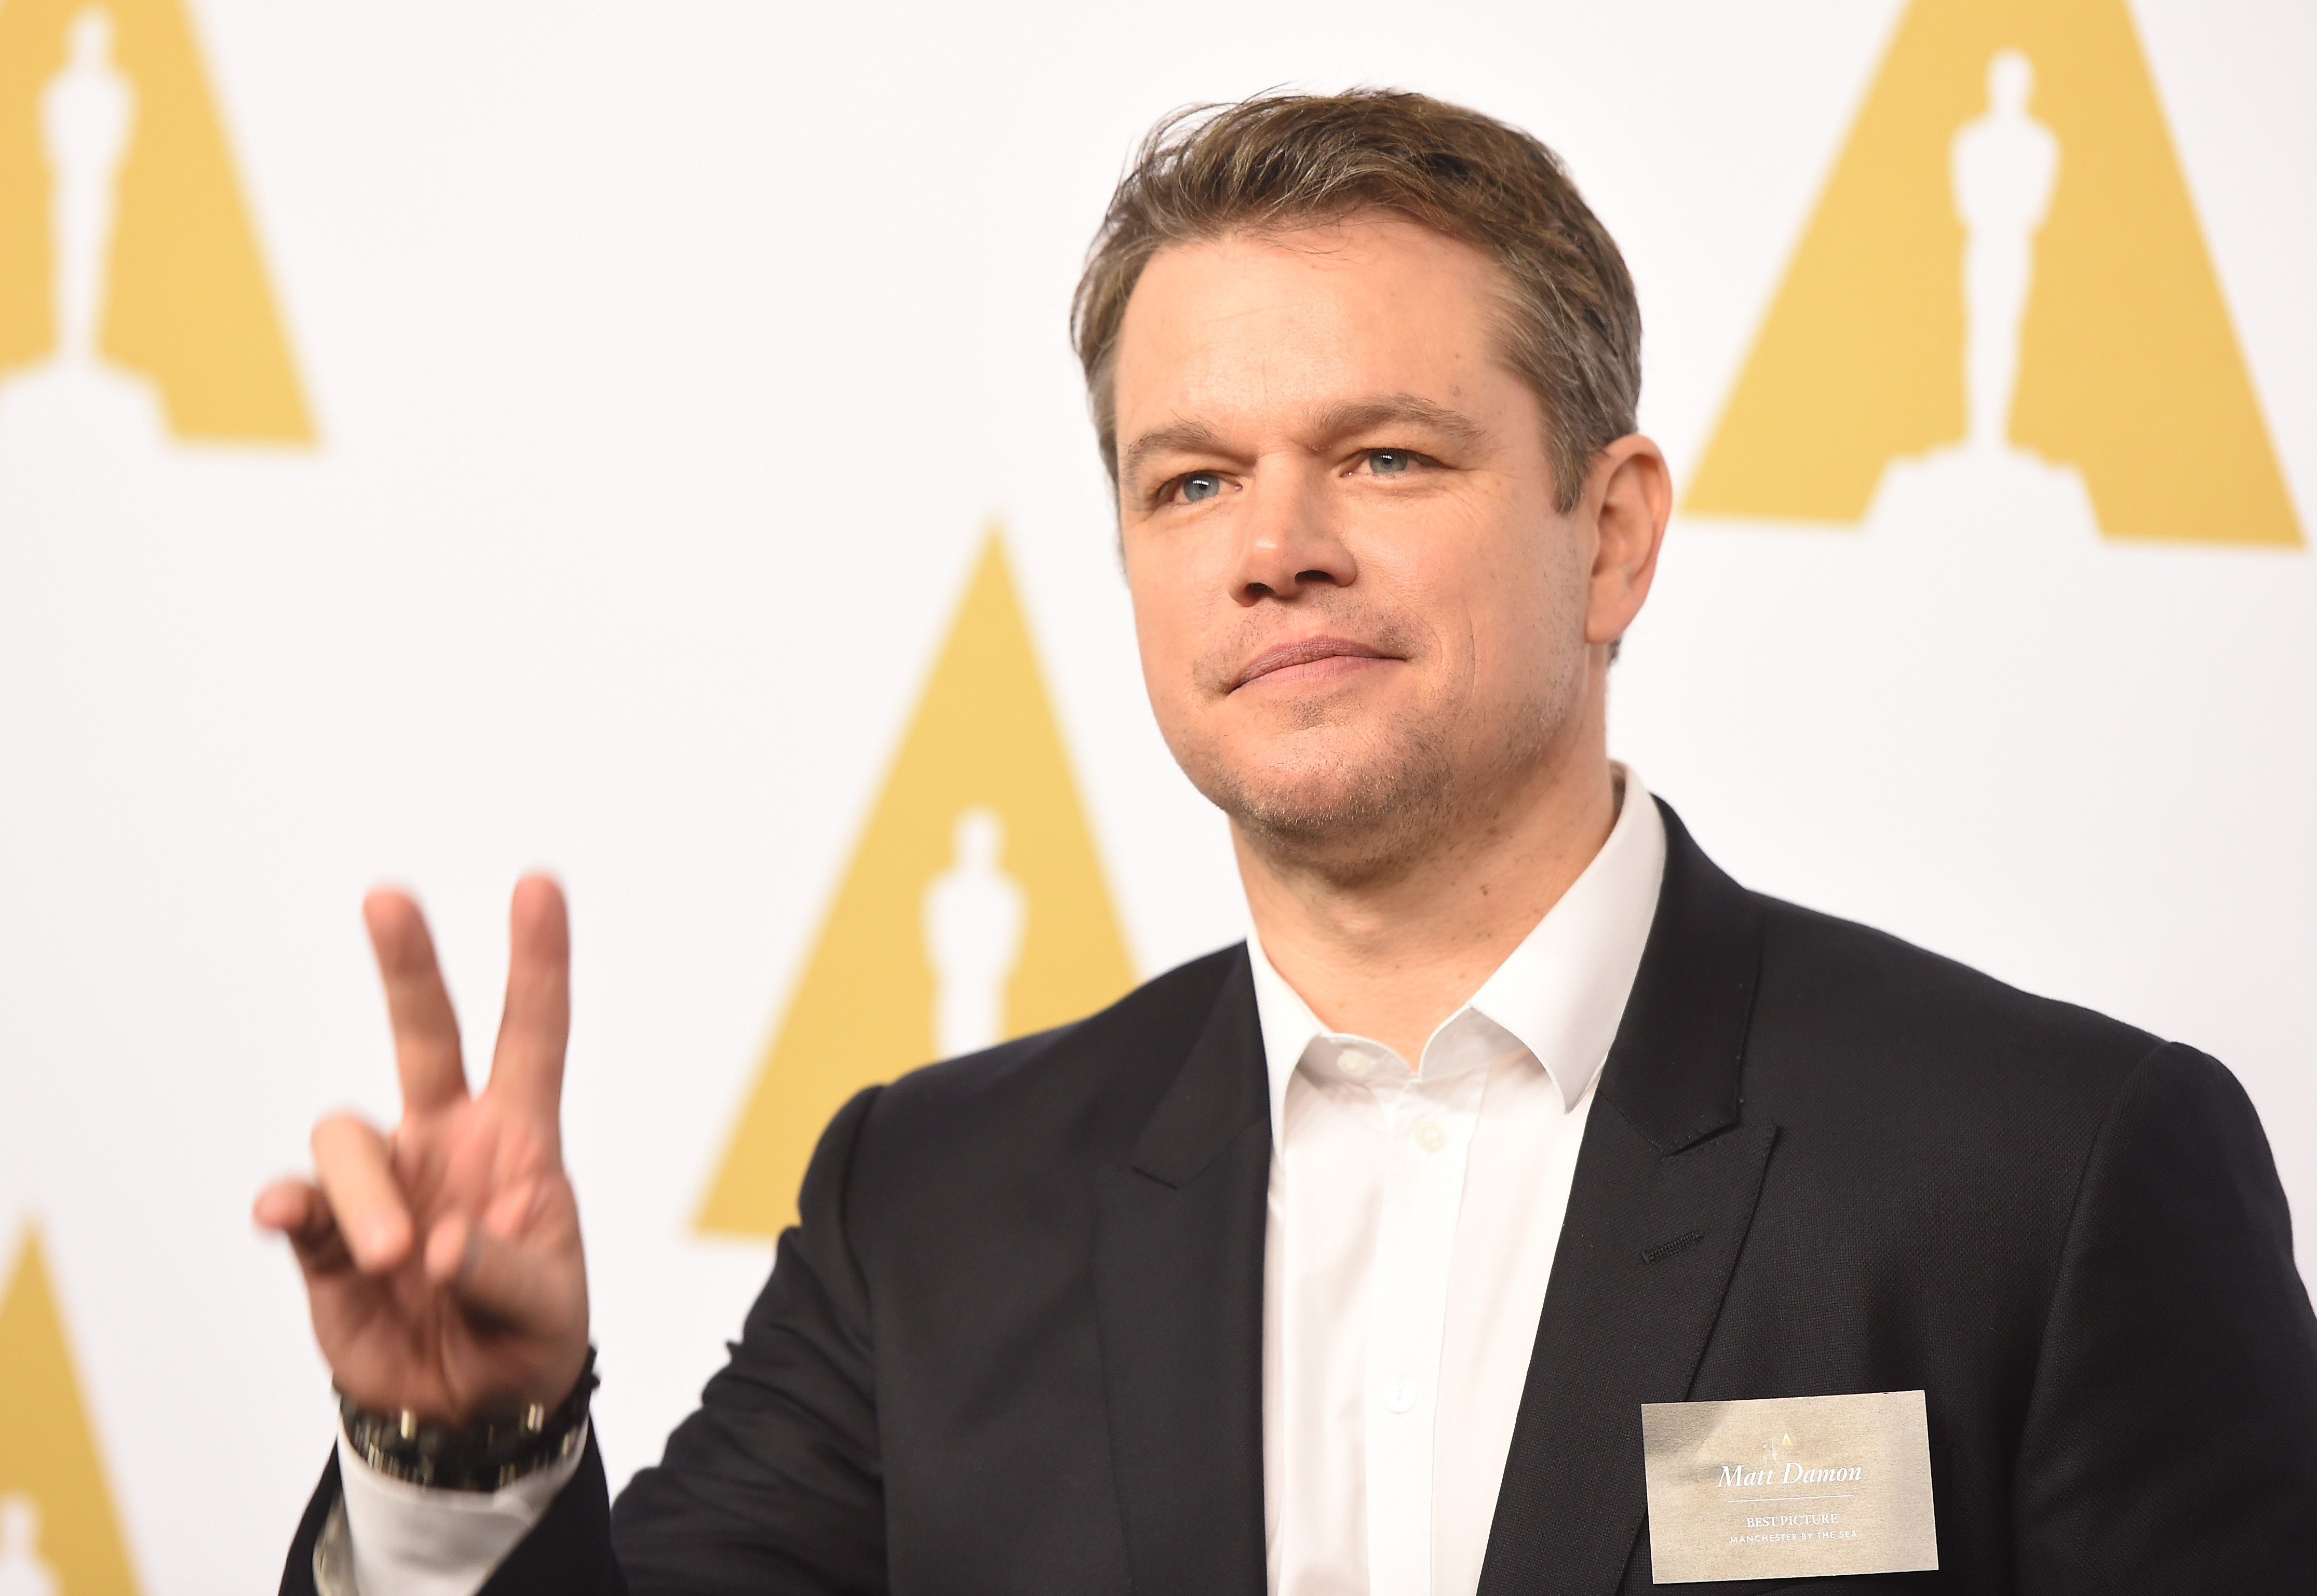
x=1572 y=328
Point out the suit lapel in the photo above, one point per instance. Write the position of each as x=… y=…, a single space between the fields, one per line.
x=1665 y=1189
x=1179 y=1295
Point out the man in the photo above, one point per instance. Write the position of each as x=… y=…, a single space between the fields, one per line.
x=1345 y=1260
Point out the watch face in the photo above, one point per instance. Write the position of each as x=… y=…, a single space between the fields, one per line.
x=333 y=1554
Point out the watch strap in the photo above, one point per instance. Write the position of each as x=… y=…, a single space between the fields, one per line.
x=487 y=1455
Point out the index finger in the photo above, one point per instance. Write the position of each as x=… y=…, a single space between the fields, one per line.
x=418 y=1005
x=536 y=1024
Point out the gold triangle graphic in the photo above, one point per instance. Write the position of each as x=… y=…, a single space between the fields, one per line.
x=983 y=745
x=2129 y=367
x=187 y=304
x=52 y=1490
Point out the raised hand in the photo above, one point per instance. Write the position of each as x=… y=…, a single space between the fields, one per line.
x=443 y=1262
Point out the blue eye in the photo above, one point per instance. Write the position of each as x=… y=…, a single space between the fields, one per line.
x=1201 y=485
x=1390 y=462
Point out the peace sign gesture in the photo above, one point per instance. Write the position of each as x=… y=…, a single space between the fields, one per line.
x=443 y=1262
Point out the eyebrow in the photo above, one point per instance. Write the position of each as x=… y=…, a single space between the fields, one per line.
x=1188 y=436
x=1337 y=421
x=1360 y=415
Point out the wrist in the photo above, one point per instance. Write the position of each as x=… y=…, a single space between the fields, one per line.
x=484 y=1455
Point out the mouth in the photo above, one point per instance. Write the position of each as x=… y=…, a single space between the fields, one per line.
x=1307 y=659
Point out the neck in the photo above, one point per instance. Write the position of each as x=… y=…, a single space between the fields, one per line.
x=1389 y=956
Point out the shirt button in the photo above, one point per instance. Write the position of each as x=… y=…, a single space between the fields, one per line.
x=1430 y=1138
x=1400 y=1398
x=1354 y=1065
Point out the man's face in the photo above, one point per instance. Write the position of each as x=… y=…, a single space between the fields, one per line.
x=1360 y=613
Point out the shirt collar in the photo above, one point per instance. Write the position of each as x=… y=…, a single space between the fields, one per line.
x=1560 y=995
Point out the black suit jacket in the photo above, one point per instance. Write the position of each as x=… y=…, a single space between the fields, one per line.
x=1015 y=1345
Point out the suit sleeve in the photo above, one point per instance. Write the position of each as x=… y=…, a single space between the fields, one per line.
x=772 y=1485
x=569 y=1550
x=2171 y=1443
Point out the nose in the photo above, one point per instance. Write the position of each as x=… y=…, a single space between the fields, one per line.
x=1289 y=540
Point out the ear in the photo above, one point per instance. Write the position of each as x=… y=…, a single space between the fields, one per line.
x=1630 y=493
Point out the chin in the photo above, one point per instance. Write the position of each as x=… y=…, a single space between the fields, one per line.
x=1339 y=803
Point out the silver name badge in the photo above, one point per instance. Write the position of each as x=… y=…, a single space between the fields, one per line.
x=1789 y=1488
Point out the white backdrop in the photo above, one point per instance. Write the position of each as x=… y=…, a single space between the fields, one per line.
x=667 y=362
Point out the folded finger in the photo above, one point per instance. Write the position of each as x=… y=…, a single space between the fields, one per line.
x=536 y=1025
x=417 y=1004
x=497 y=1281
x=297 y=1212
x=351 y=1162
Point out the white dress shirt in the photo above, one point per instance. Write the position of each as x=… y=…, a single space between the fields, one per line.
x=1411 y=1224
x=412 y=1542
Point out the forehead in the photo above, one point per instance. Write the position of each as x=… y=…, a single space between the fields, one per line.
x=1375 y=304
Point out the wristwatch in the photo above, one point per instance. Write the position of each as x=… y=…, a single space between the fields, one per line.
x=488 y=1456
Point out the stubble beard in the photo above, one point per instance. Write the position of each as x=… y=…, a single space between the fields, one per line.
x=1358 y=796
x=1361 y=815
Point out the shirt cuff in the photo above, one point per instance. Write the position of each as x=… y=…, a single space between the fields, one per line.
x=412 y=1542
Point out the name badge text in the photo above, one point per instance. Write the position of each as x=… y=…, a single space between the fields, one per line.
x=1789 y=1487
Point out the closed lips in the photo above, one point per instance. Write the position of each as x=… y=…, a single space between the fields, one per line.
x=1309 y=651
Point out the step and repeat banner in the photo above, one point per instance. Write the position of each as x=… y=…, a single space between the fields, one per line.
x=441 y=440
